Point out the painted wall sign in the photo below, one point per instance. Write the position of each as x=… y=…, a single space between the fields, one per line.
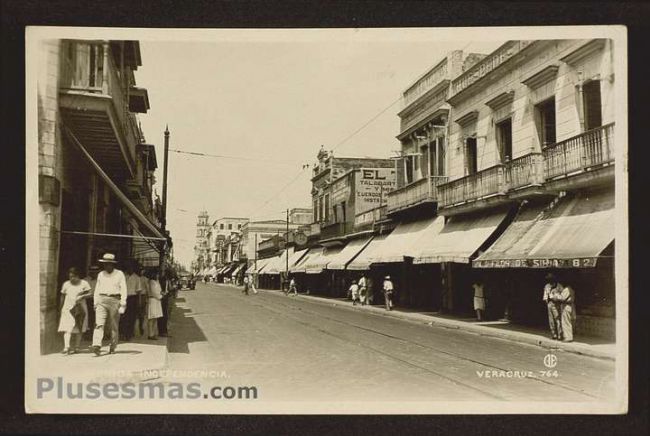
x=373 y=186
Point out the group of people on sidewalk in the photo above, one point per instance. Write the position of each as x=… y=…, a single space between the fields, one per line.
x=118 y=303
x=360 y=292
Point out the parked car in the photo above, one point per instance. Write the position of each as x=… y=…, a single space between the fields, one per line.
x=187 y=282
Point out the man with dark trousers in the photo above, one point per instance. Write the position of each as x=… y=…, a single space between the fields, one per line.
x=165 y=285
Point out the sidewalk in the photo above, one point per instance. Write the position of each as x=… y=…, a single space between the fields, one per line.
x=131 y=362
x=592 y=347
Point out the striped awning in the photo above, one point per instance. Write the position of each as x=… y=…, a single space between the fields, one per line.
x=364 y=259
x=349 y=252
x=569 y=233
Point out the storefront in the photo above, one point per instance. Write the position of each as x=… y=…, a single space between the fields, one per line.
x=361 y=265
x=573 y=237
x=341 y=278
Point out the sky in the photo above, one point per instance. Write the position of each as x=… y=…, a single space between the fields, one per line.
x=273 y=102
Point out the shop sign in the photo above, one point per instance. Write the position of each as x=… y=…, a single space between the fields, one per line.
x=579 y=262
x=372 y=187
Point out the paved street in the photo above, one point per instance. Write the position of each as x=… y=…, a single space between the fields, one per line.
x=297 y=348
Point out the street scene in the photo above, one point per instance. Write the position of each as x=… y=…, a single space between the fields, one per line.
x=416 y=221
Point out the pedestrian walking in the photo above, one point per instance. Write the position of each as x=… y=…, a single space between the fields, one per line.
x=133 y=293
x=293 y=287
x=363 y=290
x=389 y=289
x=552 y=290
x=154 y=306
x=354 y=292
x=479 y=299
x=74 y=312
x=251 y=283
x=110 y=302
x=246 y=281
x=567 y=300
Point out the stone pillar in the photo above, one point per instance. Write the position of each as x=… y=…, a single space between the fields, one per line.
x=50 y=173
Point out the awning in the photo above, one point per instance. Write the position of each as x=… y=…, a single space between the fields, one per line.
x=401 y=241
x=316 y=264
x=569 y=233
x=222 y=269
x=300 y=267
x=297 y=256
x=460 y=237
x=261 y=264
x=348 y=253
x=132 y=208
x=238 y=269
x=364 y=259
x=146 y=252
x=231 y=267
x=212 y=271
x=279 y=263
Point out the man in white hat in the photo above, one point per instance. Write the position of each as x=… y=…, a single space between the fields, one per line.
x=110 y=302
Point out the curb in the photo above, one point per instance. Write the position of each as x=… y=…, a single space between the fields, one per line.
x=524 y=338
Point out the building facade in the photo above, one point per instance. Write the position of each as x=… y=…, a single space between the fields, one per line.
x=95 y=171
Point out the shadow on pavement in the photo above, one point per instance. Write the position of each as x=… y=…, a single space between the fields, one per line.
x=185 y=330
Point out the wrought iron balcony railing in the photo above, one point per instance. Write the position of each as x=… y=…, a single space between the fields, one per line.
x=425 y=189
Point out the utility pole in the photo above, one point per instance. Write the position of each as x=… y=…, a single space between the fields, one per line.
x=163 y=219
x=286 y=251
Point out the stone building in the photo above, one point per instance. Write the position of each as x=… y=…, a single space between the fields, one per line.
x=95 y=171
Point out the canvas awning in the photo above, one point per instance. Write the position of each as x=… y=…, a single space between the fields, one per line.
x=261 y=264
x=301 y=266
x=401 y=241
x=279 y=263
x=316 y=264
x=569 y=233
x=212 y=271
x=238 y=269
x=364 y=259
x=297 y=256
x=349 y=252
x=460 y=237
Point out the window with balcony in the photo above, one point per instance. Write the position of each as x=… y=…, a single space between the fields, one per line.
x=471 y=155
x=592 y=104
x=545 y=120
x=315 y=210
x=409 y=165
x=327 y=207
x=504 y=139
x=424 y=165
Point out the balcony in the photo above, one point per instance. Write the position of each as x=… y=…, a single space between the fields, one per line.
x=421 y=191
x=525 y=175
x=366 y=220
x=487 y=186
x=95 y=106
x=590 y=154
x=335 y=230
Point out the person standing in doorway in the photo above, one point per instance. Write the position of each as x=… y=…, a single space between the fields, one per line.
x=133 y=292
x=143 y=297
x=363 y=290
x=552 y=290
x=567 y=301
x=479 y=299
x=91 y=278
x=110 y=302
x=389 y=289
x=74 y=312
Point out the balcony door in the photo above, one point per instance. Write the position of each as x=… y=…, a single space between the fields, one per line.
x=545 y=117
x=504 y=139
x=592 y=104
x=471 y=153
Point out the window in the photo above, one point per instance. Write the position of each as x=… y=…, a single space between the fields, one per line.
x=221 y=226
x=327 y=207
x=239 y=226
x=315 y=210
x=592 y=104
x=320 y=209
x=408 y=166
x=343 y=211
x=424 y=165
x=545 y=118
x=471 y=155
x=504 y=139
x=229 y=226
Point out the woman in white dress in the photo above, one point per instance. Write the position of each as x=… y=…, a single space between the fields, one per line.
x=74 y=311
x=154 y=308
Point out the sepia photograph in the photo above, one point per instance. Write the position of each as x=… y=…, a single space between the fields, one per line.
x=326 y=221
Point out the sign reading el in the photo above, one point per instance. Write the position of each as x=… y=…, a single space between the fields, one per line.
x=372 y=187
